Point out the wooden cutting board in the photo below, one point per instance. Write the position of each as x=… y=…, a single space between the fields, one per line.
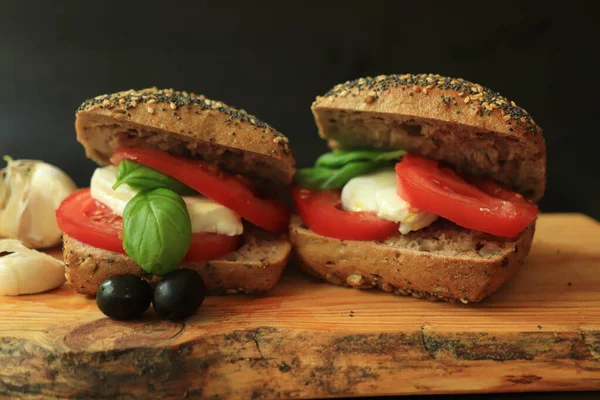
x=307 y=339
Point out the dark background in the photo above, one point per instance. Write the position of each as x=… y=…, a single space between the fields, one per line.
x=273 y=58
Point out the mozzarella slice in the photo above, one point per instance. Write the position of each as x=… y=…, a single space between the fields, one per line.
x=376 y=192
x=205 y=214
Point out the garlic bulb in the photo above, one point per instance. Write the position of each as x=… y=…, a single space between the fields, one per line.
x=30 y=193
x=26 y=271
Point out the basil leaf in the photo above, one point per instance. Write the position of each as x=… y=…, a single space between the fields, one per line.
x=312 y=178
x=333 y=170
x=141 y=177
x=156 y=230
x=341 y=176
x=390 y=155
x=321 y=178
x=338 y=159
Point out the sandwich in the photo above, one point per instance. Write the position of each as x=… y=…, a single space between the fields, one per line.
x=183 y=182
x=430 y=189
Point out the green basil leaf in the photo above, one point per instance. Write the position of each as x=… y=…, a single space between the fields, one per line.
x=141 y=177
x=157 y=230
x=321 y=178
x=312 y=178
x=341 y=176
x=338 y=159
x=390 y=155
x=333 y=170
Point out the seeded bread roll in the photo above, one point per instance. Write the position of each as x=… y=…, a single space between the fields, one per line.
x=471 y=127
x=441 y=262
x=255 y=267
x=476 y=131
x=185 y=125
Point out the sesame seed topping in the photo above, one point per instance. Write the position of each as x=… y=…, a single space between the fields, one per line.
x=487 y=102
x=164 y=98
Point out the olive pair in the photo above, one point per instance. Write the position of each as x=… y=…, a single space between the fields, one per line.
x=178 y=295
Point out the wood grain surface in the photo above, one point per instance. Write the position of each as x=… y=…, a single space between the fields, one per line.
x=306 y=339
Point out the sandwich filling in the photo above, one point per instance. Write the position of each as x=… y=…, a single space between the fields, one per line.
x=373 y=194
x=376 y=192
x=205 y=214
x=163 y=210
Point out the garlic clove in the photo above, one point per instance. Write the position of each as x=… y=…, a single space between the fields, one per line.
x=9 y=284
x=27 y=271
x=30 y=193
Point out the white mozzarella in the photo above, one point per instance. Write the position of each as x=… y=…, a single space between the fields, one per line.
x=205 y=214
x=376 y=192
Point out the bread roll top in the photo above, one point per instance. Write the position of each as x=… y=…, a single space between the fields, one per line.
x=188 y=125
x=471 y=127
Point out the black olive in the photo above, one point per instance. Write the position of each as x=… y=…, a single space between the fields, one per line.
x=179 y=294
x=124 y=296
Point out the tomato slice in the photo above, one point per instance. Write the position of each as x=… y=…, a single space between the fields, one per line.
x=206 y=246
x=219 y=186
x=479 y=204
x=91 y=222
x=321 y=211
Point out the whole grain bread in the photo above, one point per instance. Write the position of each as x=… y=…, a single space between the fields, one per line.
x=471 y=127
x=186 y=125
x=442 y=261
x=255 y=267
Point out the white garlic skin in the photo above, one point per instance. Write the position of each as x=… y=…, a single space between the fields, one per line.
x=30 y=193
x=26 y=271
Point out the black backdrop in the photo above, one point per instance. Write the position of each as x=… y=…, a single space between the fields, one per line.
x=272 y=58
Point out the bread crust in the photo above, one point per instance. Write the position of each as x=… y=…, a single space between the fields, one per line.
x=481 y=263
x=255 y=267
x=184 y=124
x=423 y=113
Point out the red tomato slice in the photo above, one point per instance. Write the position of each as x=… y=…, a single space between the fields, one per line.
x=221 y=187
x=480 y=205
x=321 y=211
x=91 y=222
x=206 y=246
